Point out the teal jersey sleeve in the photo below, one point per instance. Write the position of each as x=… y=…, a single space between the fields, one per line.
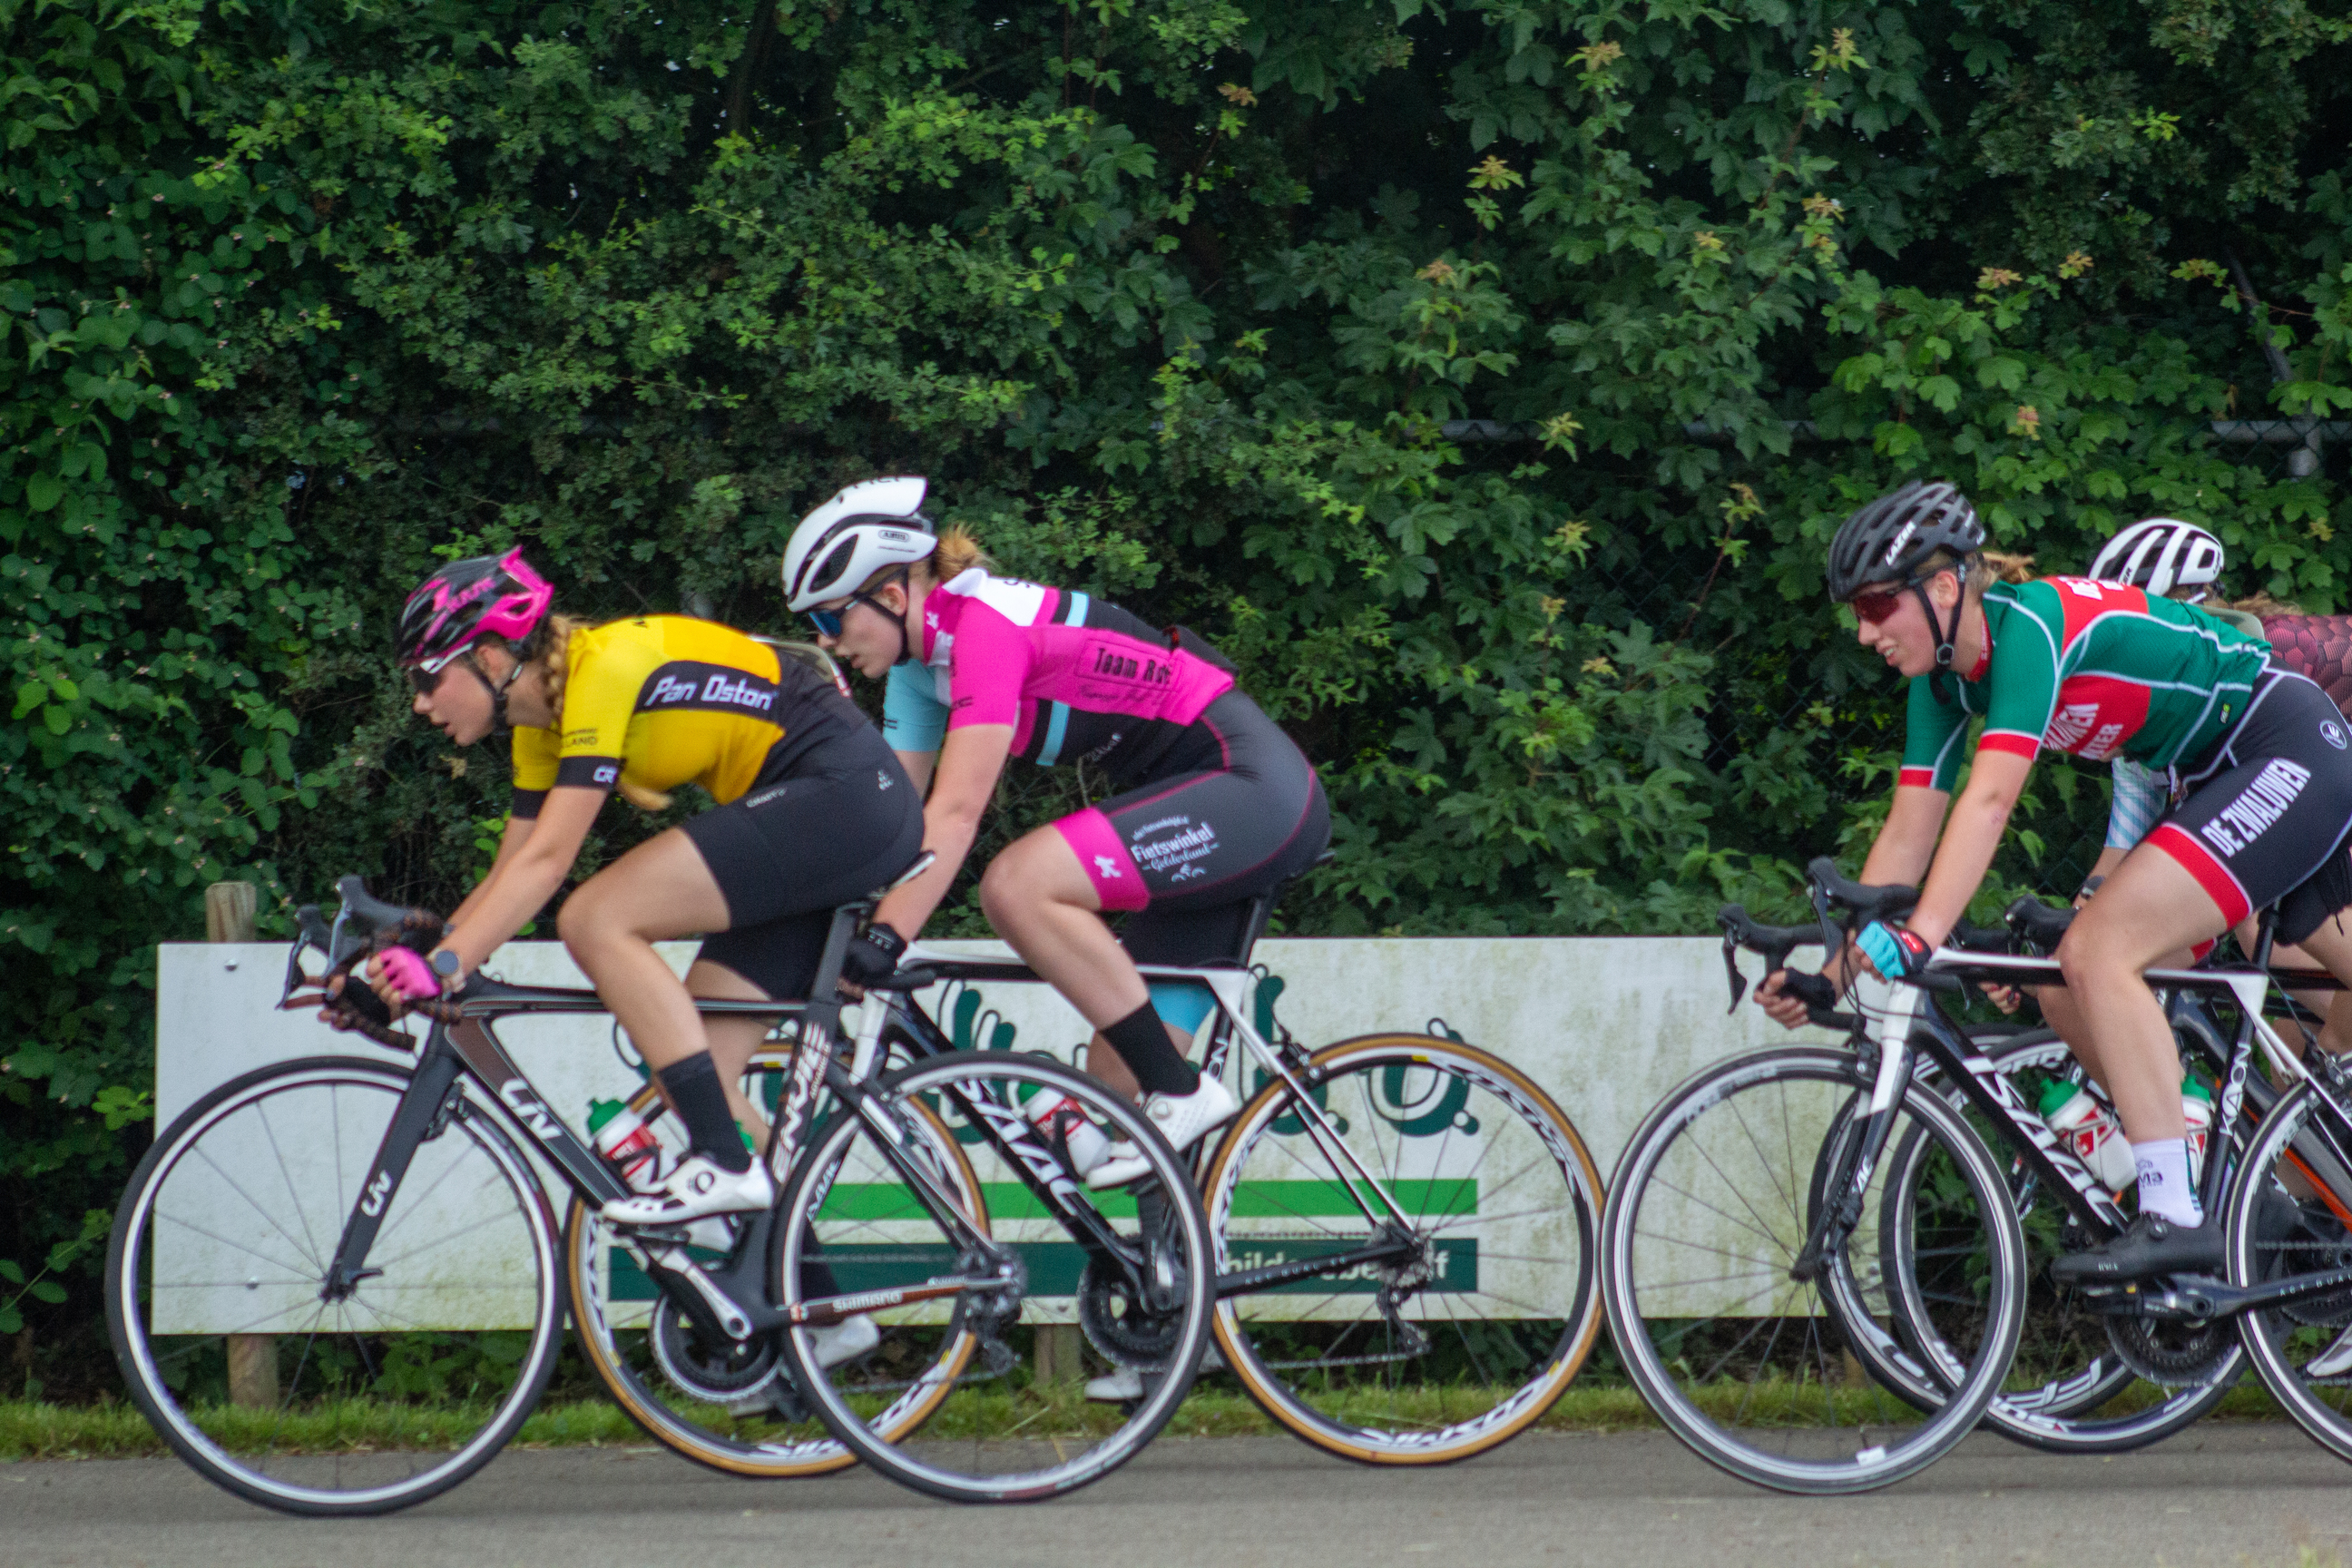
x=1934 y=726
x=913 y=716
x=2139 y=799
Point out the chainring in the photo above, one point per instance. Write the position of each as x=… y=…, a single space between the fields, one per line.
x=719 y=1376
x=2174 y=1354
x=2315 y=1243
x=1119 y=1326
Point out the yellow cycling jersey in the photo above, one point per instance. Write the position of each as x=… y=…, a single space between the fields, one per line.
x=664 y=701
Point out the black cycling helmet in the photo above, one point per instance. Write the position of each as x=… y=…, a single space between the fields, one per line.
x=1903 y=538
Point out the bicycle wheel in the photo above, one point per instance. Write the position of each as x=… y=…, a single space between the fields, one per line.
x=1464 y=1341
x=998 y=1436
x=1757 y=1371
x=2290 y=1213
x=732 y=1407
x=385 y=1396
x=2073 y=1361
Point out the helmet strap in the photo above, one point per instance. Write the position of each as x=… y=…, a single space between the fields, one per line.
x=906 y=594
x=500 y=723
x=1947 y=637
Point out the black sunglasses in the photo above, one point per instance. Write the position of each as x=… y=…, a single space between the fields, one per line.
x=828 y=622
x=427 y=681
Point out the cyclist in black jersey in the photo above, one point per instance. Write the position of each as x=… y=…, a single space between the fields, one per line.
x=813 y=810
x=2100 y=671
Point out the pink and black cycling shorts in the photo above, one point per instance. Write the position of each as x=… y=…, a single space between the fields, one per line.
x=1245 y=814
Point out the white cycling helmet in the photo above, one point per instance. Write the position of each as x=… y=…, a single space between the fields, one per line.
x=867 y=527
x=2159 y=554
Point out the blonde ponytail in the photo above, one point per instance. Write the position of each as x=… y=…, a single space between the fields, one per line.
x=958 y=554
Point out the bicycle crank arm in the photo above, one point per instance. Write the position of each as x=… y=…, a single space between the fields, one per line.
x=833 y=1309
x=1278 y=1274
x=2197 y=1300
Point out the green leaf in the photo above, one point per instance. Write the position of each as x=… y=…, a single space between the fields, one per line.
x=47 y=1291
x=11 y=1271
x=42 y=491
x=58 y=720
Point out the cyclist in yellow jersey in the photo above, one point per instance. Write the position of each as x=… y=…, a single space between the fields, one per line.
x=813 y=810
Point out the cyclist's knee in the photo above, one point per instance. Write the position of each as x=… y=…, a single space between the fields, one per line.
x=1019 y=879
x=584 y=917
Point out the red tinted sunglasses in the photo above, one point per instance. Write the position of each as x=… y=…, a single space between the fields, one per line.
x=1877 y=604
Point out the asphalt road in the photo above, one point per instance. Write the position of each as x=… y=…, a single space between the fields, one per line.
x=2234 y=1494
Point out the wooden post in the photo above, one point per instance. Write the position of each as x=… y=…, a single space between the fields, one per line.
x=228 y=911
x=252 y=1358
x=1059 y=1347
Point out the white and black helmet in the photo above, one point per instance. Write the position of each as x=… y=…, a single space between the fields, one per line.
x=2159 y=554
x=870 y=527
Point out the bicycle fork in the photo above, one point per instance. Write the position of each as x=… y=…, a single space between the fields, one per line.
x=1891 y=1010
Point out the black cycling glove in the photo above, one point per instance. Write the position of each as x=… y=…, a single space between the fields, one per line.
x=873 y=955
x=1813 y=990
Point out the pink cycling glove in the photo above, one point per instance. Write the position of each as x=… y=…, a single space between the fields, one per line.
x=410 y=975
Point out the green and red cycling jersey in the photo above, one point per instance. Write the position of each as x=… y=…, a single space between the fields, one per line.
x=2093 y=669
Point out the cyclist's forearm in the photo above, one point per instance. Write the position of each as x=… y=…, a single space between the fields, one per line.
x=510 y=844
x=1966 y=854
x=500 y=910
x=523 y=881
x=1906 y=841
x=948 y=834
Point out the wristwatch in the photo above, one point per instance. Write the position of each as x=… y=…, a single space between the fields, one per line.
x=446 y=964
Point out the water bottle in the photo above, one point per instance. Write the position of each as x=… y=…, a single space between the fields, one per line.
x=1052 y=1112
x=2091 y=1131
x=627 y=1144
x=2197 y=1111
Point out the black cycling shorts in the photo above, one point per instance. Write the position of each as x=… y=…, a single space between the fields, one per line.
x=2269 y=809
x=833 y=823
x=1188 y=851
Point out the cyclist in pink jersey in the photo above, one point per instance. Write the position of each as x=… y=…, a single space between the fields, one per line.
x=1216 y=804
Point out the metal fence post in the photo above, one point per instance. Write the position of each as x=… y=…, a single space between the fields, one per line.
x=252 y=1358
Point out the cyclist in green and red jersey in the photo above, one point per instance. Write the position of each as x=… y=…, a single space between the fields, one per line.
x=2256 y=756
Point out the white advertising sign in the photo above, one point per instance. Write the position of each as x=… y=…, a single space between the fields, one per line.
x=1607 y=1025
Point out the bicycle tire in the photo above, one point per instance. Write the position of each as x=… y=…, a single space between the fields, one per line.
x=2281 y=1342
x=1460 y=1096
x=1811 y=1434
x=671 y=1414
x=2059 y=1416
x=242 y=1453
x=1050 y=1444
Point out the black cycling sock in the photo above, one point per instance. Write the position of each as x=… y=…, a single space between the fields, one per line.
x=700 y=1101
x=1142 y=1043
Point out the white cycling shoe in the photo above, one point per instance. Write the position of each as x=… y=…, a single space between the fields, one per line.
x=1181 y=1118
x=1125 y=1383
x=697 y=1188
x=845 y=1341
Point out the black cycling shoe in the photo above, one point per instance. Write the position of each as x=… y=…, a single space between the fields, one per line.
x=2153 y=1246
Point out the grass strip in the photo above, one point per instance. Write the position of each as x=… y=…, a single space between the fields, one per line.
x=30 y=1430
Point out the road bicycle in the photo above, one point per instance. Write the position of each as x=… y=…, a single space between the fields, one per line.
x=2092 y=1346
x=1871 y=1181
x=387 y=1226
x=1403 y=1227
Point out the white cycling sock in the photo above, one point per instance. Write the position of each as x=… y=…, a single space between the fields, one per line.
x=2164 y=1186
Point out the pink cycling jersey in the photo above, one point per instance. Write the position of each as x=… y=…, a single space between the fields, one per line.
x=1075 y=677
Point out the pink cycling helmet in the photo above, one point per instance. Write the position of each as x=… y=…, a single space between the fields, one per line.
x=466 y=601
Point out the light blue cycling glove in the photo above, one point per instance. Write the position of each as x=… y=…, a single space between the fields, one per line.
x=1894 y=951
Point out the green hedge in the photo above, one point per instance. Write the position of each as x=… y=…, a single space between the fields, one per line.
x=1486 y=377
